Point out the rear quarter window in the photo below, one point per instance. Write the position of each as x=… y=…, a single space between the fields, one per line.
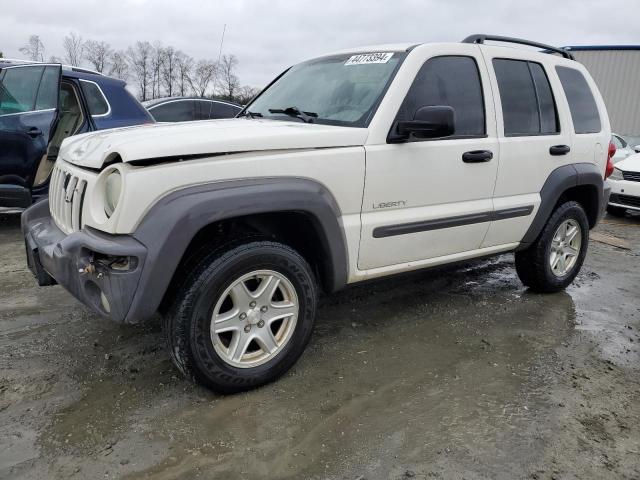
x=584 y=111
x=96 y=101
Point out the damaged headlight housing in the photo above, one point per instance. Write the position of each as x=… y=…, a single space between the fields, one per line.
x=112 y=191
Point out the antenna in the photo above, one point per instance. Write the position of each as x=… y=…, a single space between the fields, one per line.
x=221 y=42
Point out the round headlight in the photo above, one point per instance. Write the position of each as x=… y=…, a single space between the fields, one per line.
x=616 y=175
x=112 y=189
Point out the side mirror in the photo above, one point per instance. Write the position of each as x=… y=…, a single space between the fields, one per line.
x=428 y=122
x=637 y=148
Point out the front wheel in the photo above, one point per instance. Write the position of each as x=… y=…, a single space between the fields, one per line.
x=552 y=262
x=243 y=316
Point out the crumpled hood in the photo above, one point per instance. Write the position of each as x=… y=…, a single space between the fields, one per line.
x=204 y=137
x=630 y=164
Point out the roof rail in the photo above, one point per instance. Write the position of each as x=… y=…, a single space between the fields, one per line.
x=80 y=69
x=481 y=38
x=66 y=67
x=15 y=60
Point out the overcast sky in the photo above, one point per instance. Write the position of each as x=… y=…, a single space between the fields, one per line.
x=269 y=35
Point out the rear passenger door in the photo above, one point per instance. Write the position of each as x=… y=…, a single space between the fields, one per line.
x=534 y=136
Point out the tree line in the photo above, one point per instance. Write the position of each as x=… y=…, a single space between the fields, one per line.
x=155 y=69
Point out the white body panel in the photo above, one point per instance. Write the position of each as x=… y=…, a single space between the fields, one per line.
x=206 y=137
x=426 y=179
x=525 y=161
x=429 y=178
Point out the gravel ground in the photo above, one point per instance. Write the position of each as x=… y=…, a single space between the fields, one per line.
x=450 y=373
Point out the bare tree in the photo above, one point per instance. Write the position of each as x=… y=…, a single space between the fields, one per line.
x=169 y=70
x=245 y=94
x=140 y=57
x=118 y=65
x=97 y=54
x=202 y=76
x=227 y=79
x=157 y=54
x=73 y=49
x=34 y=49
x=185 y=66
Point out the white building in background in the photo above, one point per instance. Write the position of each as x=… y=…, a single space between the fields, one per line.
x=616 y=70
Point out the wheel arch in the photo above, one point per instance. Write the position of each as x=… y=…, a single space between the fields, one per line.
x=581 y=182
x=182 y=221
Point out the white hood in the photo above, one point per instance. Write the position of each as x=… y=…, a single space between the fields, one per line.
x=203 y=138
x=630 y=164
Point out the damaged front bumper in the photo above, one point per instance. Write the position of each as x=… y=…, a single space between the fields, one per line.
x=101 y=270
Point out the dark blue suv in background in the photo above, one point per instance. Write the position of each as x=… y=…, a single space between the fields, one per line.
x=41 y=104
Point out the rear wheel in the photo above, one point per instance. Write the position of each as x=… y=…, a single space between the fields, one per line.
x=552 y=262
x=616 y=211
x=243 y=316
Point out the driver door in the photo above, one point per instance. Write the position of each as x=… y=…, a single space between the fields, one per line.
x=427 y=197
x=28 y=111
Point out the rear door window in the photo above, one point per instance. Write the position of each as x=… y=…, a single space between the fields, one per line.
x=48 y=91
x=528 y=106
x=202 y=109
x=178 y=111
x=223 y=110
x=19 y=89
x=452 y=81
x=96 y=101
x=584 y=111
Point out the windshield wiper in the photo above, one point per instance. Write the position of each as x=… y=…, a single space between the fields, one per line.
x=250 y=114
x=306 y=117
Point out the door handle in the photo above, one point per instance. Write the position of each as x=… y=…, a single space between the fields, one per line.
x=559 y=150
x=477 y=156
x=34 y=132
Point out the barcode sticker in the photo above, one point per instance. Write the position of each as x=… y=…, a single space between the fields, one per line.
x=366 y=58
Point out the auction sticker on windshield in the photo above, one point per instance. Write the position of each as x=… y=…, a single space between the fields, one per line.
x=366 y=58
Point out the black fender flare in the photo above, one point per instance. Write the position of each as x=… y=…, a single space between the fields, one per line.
x=559 y=181
x=172 y=222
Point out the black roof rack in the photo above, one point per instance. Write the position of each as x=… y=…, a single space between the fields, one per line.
x=481 y=38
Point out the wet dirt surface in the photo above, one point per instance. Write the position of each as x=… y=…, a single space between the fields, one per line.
x=450 y=373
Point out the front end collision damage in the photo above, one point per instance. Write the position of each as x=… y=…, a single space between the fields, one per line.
x=99 y=269
x=125 y=277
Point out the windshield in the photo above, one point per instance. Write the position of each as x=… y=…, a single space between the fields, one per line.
x=339 y=90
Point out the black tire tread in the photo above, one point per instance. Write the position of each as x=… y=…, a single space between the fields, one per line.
x=176 y=322
x=531 y=264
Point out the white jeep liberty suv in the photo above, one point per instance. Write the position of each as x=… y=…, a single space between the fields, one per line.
x=358 y=164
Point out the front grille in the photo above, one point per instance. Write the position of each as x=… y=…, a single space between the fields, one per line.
x=66 y=195
x=625 y=200
x=631 y=176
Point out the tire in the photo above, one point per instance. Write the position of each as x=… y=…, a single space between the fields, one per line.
x=533 y=265
x=223 y=283
x=616 y=211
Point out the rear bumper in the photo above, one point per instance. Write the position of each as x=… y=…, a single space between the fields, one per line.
x=14 y=196
x=83 y=262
